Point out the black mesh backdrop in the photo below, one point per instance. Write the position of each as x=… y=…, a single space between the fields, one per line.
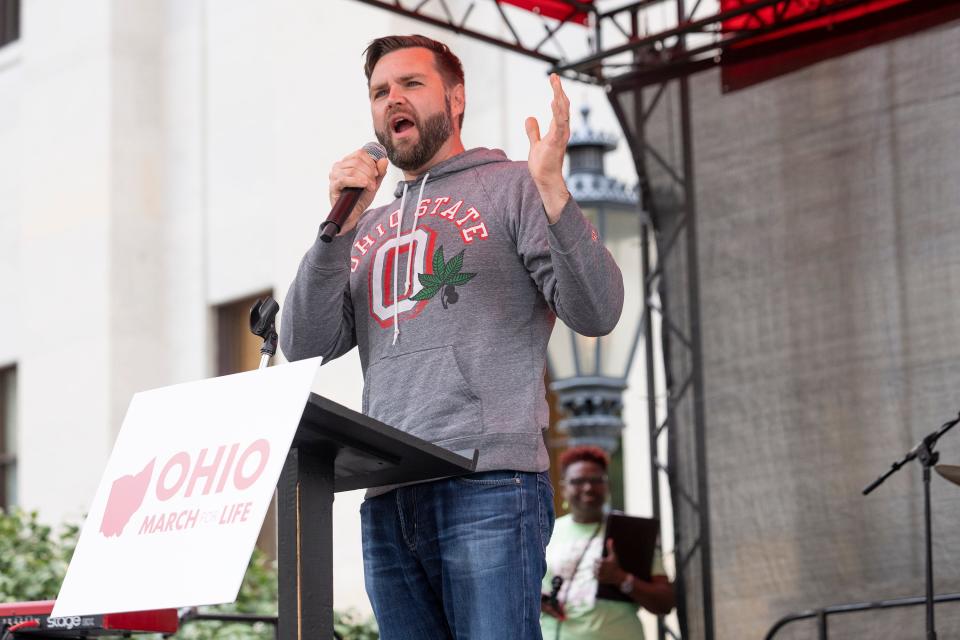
x=829 y=247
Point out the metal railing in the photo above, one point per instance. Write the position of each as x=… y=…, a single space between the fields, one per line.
x=821 y=615
x=193 y=615
x=244 y=618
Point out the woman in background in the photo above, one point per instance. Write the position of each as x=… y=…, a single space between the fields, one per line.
x=575 y=554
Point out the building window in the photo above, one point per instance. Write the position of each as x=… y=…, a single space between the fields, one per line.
x=9 y=21
x=8 y=437
x=238 y=349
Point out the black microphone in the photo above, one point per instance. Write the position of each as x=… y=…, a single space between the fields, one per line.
x=348 y=198
x=556 y=583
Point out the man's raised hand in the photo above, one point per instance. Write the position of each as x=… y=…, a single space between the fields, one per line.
x=545 y=159
x=357 y=170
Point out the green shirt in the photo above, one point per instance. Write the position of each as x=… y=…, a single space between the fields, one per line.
x=588 y=618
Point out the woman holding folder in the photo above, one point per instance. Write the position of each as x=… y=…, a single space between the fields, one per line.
x=576 y=555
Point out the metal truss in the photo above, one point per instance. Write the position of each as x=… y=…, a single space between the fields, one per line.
x=669 y=236
x=474 y=24
x=637 y=54
x=630 y=42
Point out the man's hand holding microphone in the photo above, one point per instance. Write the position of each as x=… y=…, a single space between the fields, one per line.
x=354 y=181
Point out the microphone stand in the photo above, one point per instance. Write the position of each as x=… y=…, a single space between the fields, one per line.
x=928 y=457
x=263 y=315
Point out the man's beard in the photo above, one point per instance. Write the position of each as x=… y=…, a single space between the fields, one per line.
x=433 y=133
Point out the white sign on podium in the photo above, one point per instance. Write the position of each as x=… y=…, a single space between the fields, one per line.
x=185 y=492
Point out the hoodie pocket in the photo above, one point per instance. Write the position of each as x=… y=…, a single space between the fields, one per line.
x=423 y=393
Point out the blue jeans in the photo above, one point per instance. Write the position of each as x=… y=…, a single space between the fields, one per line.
x=459 y=558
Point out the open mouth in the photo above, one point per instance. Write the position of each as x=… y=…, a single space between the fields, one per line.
x=401 y=124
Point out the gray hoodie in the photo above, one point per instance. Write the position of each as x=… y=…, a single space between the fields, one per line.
x=453 y=342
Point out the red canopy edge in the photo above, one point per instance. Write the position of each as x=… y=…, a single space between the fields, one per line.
x=755 y=60
x=768 y=15
x=552 y=9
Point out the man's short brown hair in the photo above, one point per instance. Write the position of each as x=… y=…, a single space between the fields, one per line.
x=448 y=64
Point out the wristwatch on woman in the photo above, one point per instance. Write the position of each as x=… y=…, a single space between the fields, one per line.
x=626 y=587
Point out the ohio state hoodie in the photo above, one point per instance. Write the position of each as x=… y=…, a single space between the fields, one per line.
x=450 y=292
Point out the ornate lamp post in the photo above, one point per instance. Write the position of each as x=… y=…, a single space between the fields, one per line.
x=589 y=375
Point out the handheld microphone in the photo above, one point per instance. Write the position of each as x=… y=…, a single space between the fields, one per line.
x=348 y=198
x=556 y=583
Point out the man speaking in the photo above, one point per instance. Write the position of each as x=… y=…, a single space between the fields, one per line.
x=450 y=293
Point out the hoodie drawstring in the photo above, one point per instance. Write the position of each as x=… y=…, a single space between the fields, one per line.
x=396 y=266
x=416 y=219
x=396 y=254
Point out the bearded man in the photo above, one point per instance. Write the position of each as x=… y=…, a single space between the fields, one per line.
x=450 y=293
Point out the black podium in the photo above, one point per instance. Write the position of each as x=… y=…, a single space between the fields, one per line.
x=337 y=449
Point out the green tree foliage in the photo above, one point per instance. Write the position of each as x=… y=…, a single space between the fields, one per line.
x=258 y=595
x=34 y=559
x=351 y=626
